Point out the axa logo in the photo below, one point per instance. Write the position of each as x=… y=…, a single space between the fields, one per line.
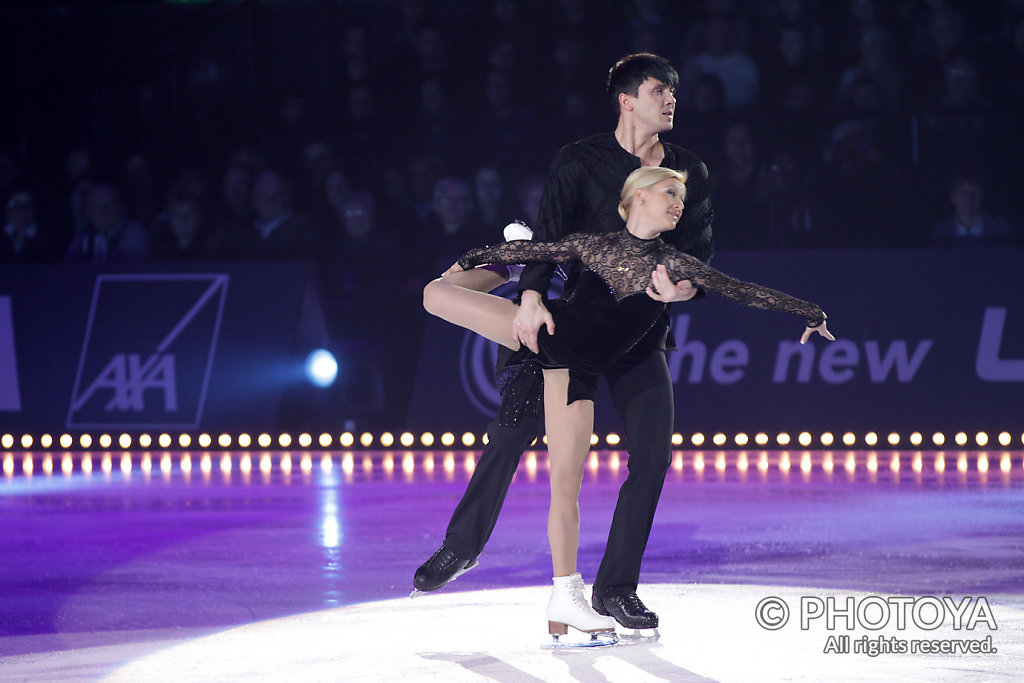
x=148 y=351
x=128 y=377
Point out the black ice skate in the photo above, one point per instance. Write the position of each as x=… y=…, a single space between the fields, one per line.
x=626 y=608
x=443 y=567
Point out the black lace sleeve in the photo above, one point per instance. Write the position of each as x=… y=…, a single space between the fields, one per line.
x=683 y=266
x=521 y=251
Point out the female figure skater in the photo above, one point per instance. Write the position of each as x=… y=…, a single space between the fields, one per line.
x=607 y=313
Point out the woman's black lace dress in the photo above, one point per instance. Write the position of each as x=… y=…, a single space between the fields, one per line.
x=609 y=310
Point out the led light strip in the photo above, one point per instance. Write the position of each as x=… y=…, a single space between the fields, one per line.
x=409 y=462
x=126 y=441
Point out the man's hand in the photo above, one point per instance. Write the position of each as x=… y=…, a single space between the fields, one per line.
x=531 y=315
x=664 y=290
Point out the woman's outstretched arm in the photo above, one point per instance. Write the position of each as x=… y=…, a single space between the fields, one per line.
x=522 y=251
x=748 y=293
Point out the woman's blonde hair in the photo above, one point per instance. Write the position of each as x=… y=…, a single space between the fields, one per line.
x=642 y=178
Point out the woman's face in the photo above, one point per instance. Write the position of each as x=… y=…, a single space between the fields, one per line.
x=661 y=204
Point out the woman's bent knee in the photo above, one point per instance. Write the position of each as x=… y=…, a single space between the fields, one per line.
x=432 y=295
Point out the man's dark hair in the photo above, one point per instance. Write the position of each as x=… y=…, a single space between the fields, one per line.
x=632 y=70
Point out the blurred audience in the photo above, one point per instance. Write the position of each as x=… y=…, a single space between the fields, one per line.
x=109 y=236
x=277 y=230
x=970 y=224
x=862 y=108
x=23 y=240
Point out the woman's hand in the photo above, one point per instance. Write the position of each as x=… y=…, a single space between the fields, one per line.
x=456 y=268
x=821 y=329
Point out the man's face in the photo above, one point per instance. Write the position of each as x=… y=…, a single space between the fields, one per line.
x=103 y=209
x=967 y=197
x=654 y=106
x=739 y=147
x=21 y=211
x=183 y=218
x=791 y=45
x=452 y=203
x=236 y=188
x=358 y=218
x=488 y=186
x=269 y=198
x=336 y=188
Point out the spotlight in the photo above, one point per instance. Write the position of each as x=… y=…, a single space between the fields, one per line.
x=321 y=368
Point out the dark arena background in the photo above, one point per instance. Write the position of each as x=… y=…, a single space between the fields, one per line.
x=224 y=456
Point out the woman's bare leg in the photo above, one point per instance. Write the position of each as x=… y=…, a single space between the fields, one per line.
x=488 y=315
x=568 y=429
x=481 y=279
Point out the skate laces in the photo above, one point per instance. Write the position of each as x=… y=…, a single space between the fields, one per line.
x=632 y=600
x=578 y=599
x=443 y=558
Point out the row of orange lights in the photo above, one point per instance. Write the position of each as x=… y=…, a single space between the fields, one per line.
x=720 y=461
x=127 y=441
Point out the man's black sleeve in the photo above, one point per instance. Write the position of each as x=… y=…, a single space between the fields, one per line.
x=559 y=205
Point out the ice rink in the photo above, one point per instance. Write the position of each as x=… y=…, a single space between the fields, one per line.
x=763 y=566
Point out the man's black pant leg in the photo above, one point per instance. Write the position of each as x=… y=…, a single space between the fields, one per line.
x=643 y=398
x=477 y=512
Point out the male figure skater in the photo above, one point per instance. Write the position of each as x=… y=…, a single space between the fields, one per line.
x=580 y=195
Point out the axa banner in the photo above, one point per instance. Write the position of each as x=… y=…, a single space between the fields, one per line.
x=158 y=375
x=926 y=340
x=174 y=347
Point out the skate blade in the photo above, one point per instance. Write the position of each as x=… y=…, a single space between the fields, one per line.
x=640 y=635
x=603 y=639
x=417 y=592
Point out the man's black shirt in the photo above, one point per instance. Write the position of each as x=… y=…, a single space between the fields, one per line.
x=582 y=194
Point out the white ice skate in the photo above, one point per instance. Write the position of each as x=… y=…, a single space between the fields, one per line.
x=516 y=230
x=569 y=607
